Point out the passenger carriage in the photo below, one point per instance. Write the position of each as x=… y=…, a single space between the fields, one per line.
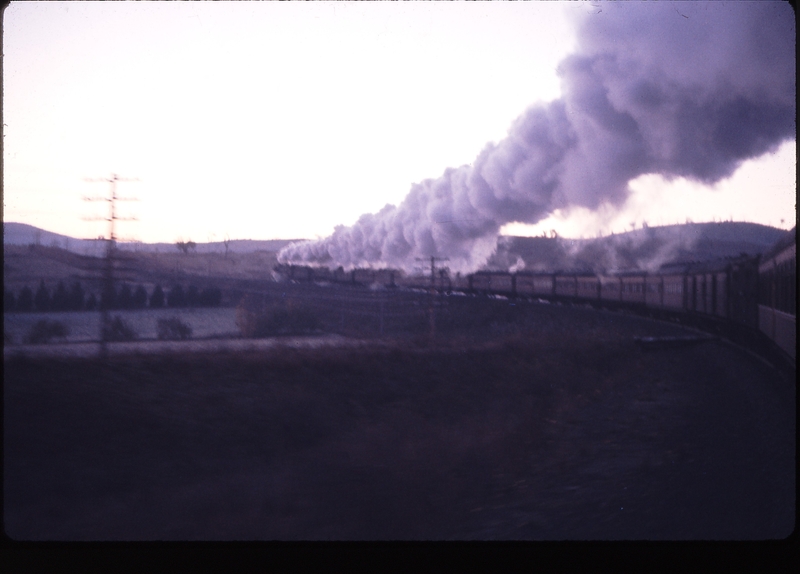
x=566 y=285
x=777 y=305
x=610 y=287
x=632 y=288
x=588 y=287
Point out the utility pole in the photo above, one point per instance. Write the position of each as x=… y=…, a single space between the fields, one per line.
x=111 y=240
x=433 y=268
x=431 y=310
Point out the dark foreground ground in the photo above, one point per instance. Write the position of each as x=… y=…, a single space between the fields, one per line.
x=567 y=431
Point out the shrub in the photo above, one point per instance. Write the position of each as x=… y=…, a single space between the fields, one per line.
x=125 y=297
x=215 y=297
x=108 y=298
x=76 y=297
x=192 y=297
x=139 y=300
x=211 y=297
x=250 y=308
x=60 y=300
x=173 y=329
x=43 y=331
x=176 y=297
x=9 y=301
x=157 y=298
x=42 y=299
x=118 y=330
x=25 y=301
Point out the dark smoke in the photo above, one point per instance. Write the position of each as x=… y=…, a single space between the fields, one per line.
x=680 y=89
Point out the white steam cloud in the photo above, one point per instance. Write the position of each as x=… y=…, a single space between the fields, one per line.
x=679 y=89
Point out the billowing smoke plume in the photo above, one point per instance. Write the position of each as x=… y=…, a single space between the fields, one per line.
x=679 y=89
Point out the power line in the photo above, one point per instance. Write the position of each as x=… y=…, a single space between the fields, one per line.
x=112 y=199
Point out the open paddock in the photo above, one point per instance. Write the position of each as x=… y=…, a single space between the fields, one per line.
x=563 y=429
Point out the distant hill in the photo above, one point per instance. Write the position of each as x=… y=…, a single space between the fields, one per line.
x=641 y=249
x=24 y=234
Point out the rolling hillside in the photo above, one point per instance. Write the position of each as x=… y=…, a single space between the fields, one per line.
x=24 y=234
x=32 y=255
x=642 y=249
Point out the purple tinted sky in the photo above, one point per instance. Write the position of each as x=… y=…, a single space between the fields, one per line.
x=267 y=120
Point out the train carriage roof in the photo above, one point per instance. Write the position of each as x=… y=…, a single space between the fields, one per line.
x=710 y=266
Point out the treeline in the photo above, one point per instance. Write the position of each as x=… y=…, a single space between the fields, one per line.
x=75 y=298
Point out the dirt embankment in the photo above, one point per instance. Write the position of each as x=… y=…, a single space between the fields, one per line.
x=568 y=432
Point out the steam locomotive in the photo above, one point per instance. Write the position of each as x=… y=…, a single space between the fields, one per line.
x=739 y=296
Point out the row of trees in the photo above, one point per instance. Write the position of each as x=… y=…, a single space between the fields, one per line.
x=75 y=298
x=191 y=297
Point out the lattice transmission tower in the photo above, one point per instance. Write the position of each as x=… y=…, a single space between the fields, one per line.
x=110 y=254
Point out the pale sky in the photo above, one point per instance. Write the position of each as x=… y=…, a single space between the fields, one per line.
x=283 y=120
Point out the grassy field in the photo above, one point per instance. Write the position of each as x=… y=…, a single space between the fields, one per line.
x=561 y=430
x=85 y=325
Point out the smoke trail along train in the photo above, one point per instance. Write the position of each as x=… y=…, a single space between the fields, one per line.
x=651 y=89
x=735 y=296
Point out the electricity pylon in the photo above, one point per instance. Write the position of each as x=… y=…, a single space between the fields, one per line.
x=108 y=273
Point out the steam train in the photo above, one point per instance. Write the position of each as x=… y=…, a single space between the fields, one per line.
x=739 y=297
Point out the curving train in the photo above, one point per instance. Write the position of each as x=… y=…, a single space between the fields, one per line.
x=777 y=294
x=743 y=295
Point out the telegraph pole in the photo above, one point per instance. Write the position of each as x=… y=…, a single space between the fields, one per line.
x=431 y=311
x=111 y=240
x=433 y=268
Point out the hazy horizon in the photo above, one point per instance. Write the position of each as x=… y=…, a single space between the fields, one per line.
x=283 y=121
x=298 y=239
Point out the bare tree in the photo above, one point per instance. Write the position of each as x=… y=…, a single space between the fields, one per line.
x=227 y=243
x=185 y=246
